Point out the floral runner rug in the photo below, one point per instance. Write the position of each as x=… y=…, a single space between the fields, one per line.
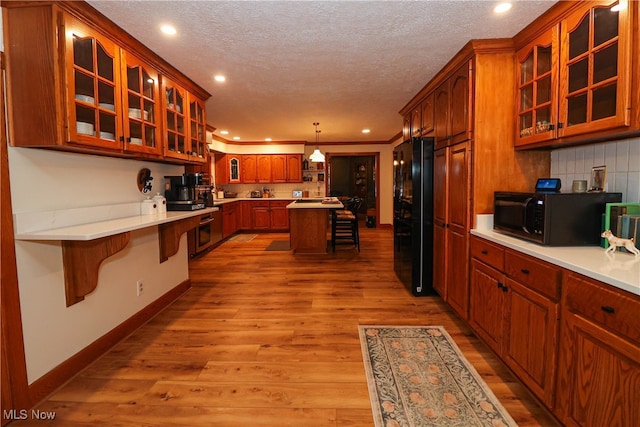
x=418 y=377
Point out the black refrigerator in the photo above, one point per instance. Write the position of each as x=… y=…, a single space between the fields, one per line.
x=413 y=215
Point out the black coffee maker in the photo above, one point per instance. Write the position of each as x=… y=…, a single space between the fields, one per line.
x=180 y=192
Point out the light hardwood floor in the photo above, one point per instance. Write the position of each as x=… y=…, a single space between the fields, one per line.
x=268 y=339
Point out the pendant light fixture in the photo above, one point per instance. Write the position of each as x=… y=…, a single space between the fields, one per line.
x=317 y=156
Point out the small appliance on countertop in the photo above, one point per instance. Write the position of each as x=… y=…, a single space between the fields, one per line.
x=256 y=194
x=181 y=192
x=551 y=218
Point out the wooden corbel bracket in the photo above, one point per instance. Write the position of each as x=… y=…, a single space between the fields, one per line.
x=82 y=259
x=170 y=234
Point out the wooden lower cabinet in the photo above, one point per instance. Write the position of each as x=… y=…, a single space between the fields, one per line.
x=279 y=215
x=245 y=216
x=260 y=216
x=530 y=340
x=513 y=317
x=486 y=316
x=572 y=340
x=599 y=363
x=230 y=218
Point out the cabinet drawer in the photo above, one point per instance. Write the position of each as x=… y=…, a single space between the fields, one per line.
x=537 y=275
x=605 y=305
x=487 y=252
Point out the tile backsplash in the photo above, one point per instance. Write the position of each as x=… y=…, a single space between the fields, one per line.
x=622 y=159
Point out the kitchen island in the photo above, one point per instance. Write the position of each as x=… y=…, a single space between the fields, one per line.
x=308 y=222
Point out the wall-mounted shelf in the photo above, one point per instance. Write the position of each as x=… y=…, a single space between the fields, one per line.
x=86 y=246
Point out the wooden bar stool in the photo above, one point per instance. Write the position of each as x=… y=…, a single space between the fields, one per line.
x=344 y=224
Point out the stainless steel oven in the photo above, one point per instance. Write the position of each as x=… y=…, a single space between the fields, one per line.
x=207 y=233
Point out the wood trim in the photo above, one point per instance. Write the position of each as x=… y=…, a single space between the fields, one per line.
x=14 y=380
x=48 y=383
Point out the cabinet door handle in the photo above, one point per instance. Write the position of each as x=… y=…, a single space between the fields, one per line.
x=504 y=288
x=484 y=252
x=551 y=126
x=524 y=271
x=608 y=309
x=500 y=285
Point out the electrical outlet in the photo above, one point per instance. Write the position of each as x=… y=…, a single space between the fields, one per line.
x=139 y=288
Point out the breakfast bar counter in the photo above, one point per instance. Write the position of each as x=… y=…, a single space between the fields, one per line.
x=308 y=223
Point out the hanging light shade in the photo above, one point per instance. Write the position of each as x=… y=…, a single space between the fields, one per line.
x=317 y=156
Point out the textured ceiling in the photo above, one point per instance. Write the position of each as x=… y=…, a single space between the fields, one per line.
x=346 y=64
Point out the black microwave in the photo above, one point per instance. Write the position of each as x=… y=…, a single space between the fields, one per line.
x=552 y=219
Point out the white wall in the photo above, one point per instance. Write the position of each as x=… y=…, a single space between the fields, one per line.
x=43 y=180
x=622 y=159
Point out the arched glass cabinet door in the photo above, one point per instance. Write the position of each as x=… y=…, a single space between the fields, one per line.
x=93 y=82
x=141 y=106
x=234 y=169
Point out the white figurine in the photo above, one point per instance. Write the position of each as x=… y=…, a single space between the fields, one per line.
x=615 y=242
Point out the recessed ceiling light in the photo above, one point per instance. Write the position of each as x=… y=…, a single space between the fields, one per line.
x=168 y=29
x=502 y=7
x=219 y=78
x=267 y=139
x=366 y=130
x=236 y=137
x=224 y=132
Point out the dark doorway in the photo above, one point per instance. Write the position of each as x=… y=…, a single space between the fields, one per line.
x=353 y=175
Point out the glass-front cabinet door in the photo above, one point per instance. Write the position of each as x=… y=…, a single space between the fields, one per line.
x=93 y=88
x=141 y=104
x=594 y=67
x=175 y=135
x=197 y=130
x=537 y=89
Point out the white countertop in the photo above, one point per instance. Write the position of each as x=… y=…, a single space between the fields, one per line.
x=621 y=270
x=109 y=227
x=323 y=203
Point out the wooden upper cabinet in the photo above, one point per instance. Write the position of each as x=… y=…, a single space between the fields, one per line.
x=286 y=168
x=416 y=122
x=220 y=168
x=428 y=108
x=538 y=89
x=249 y=168
x=294 y=168
x=142 y=106
x=406 y=127
x=176 y=144
x=594 y=68
x=235 y=171
x=264 y=168
x=575 y=79
x=422 y=120
x=78 y=84
x=460 y=108
x=198 y=148
x=452 y=105
x=279 y=168
x=93 y=83
x=441 y=115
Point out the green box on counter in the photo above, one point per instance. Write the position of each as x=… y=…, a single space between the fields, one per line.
x=612 y=214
